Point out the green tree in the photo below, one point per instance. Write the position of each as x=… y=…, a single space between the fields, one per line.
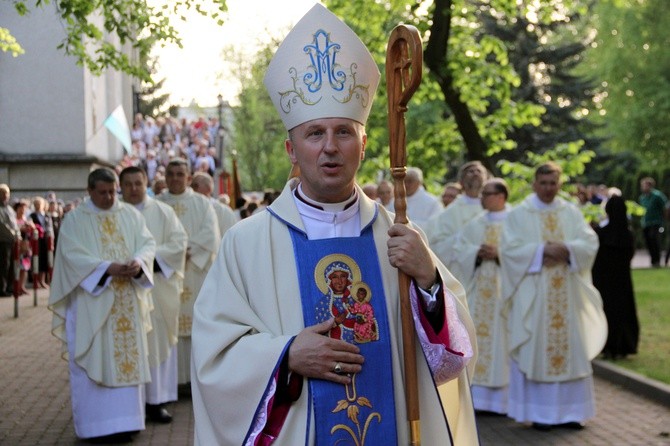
x=630 y=56
x=466 y=107
x=151 y=101
x=471 y=99
x=258 y=134
x=8 y=43
x=545 y=55
x=98 y=32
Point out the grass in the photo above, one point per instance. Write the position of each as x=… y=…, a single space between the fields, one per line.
x=652 y=294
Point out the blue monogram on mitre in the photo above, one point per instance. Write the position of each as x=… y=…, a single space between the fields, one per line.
x=322 y=53
x=321 y=70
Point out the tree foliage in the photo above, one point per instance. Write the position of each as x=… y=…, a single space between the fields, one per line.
x=545 y=54
x=498 y=76
x=151 y=101
x=8 y=43
x=630 y=58
x=99 y=33
x=258 y=136
x=477 y=100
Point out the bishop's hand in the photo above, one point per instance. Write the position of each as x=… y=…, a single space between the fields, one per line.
x=315 y=355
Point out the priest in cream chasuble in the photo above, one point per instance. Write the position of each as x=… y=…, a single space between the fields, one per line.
x=477 y=253
x=171 y=239
x=101 y=303
x=199 y=220
x=555 y=317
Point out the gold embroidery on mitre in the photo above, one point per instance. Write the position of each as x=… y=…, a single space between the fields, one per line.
x=122 y=319
x=558 y=345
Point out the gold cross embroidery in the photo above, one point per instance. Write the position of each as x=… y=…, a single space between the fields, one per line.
x=179 y=209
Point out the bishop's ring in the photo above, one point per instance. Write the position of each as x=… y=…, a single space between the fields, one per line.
x=338 y=368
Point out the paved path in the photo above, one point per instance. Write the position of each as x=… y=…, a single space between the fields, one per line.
x=35 y=403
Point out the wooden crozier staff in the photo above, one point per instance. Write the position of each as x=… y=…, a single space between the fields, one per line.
x=404 y=61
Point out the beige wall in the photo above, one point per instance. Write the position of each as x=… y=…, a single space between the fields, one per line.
x=51 y=110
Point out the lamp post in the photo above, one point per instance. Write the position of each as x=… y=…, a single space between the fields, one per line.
x=220 y=131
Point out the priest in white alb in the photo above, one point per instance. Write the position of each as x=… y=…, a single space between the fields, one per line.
x=477 y=254
x=171 y=239
x=199 y=220
x=101 y=303
x=555 y=315
x=297 y=331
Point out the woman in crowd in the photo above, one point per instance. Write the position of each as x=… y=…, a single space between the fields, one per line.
x=27 y=227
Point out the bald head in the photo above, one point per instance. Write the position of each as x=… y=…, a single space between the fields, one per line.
x=202 y=183
x=413 y=180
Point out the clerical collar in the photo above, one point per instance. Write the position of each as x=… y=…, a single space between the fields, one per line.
x=470 y=200
x=497 y=215
x=94 y=208
x=541 y=205
x=328 y=207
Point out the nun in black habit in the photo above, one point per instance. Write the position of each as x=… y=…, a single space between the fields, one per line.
x=612 y=277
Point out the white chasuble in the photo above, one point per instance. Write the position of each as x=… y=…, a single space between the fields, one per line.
x=225 y=216
x=111 y=325
x=482 y=282
x=199 y=220
x=443 y=230
x=239 y=340
x=555 y=316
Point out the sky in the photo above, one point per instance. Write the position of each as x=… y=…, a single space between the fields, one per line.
x=197 y=71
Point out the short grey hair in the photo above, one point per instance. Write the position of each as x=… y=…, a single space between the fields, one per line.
x=414 y=174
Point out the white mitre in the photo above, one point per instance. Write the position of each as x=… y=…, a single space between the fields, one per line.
x=321 y=70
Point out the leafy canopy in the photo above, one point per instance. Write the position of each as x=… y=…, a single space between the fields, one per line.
x=100 y=33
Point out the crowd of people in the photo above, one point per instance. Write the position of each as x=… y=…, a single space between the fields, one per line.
x=271 y=323
x=21 y=222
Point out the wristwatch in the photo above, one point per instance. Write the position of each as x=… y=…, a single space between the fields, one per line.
x=435 y=286
x=433 y=289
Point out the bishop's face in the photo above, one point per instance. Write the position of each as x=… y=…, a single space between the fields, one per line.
x=329 y=152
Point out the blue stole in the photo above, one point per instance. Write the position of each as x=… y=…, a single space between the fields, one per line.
x=341 y=278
